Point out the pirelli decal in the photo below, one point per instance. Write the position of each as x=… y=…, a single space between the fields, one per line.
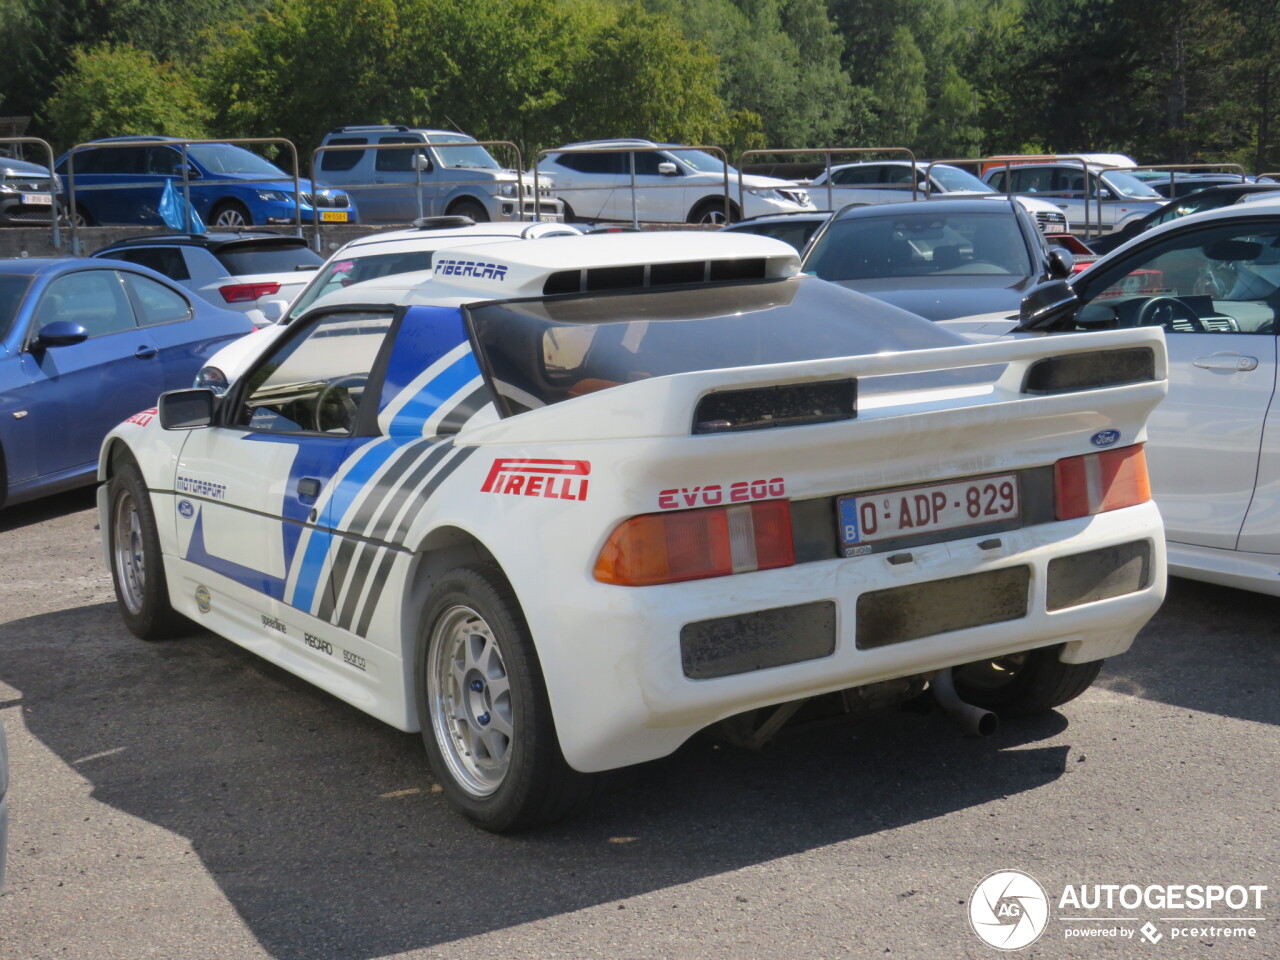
x=553 y=479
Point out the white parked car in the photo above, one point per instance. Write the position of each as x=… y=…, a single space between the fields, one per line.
x=254 y=273
x=436 y=173
x=369 y=259
x=1112 y=199
x=672 y=185
x=1211 y=282
x=889 y=181
x=636 y=484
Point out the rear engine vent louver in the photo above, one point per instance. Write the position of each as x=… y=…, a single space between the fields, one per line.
x=638 y=276
x=788 y=405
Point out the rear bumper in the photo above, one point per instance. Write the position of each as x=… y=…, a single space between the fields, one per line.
x=619 y=685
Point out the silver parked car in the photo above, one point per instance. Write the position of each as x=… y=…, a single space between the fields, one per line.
x=1112 y=198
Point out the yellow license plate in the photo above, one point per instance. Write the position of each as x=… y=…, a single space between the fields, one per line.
x=339 y=216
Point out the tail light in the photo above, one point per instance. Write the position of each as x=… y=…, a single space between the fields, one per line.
x=695 y=544
x=244 y=292
x=1098 y=482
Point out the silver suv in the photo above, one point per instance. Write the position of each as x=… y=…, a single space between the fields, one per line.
x=1112 y=200
x=436 y=173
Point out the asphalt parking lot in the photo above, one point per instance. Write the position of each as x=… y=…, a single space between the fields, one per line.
x=189 y=800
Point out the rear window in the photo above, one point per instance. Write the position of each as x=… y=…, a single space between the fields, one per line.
x=244 y=259
x=12 y=289
x=540 y=352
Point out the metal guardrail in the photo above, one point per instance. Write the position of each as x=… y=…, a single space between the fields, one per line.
x=631 y=150
x=828 y=152
x=181 y=146
x=1009 y=161
x=55 y=186
x=418 y=146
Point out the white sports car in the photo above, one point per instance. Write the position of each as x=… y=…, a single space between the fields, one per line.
x=562 y=533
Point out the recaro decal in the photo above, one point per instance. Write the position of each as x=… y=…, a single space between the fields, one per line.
x=553 y=479
x=714 y=494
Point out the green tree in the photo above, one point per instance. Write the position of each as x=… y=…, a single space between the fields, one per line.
x=113 y=90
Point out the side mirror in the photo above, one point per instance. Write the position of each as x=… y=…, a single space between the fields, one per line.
x=273 y=310
x=1061 y=263
x=192 y=172
x=1047 y=305
x=1104 y=194
x=422 y=162
x=60 y=333
x=668 y=169
x=186 y=409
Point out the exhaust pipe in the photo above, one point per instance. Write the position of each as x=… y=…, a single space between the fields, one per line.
x=972 y=719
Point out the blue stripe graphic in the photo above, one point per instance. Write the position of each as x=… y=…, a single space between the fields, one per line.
x=411 y=419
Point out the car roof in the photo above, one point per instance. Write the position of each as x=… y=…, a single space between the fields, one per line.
x=209 y=241
x=620 y=142
x=393 y=128
x=954 y=204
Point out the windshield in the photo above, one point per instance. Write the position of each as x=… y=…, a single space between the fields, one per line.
x=12 y=289
x=1129 y=186
x=346 y=271
x=472 y=155
x=953 y=178
x=701 y=161
x=224 y=158
x=920 y=244
x=541 y=352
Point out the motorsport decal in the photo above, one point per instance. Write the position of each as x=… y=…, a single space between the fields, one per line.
x=479 y=269
x=204 y=603
x=144 y=417
x=200 y=488
x=554 y=479
x=740 y=491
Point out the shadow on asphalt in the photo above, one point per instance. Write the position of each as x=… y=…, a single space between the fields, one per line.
x=320 y=826
x=1209 y=648
x=47 y=508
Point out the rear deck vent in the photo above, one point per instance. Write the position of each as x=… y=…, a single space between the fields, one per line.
x=1090 y=371
x=615 y=278
x=749 y=269
x=634 y=277
x=666 y=274
x=788 y=405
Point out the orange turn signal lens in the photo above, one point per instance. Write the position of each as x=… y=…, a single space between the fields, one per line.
x=1098 y=482
x=696 y=544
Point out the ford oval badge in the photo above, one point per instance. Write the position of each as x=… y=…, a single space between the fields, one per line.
x=188 y=511
x=1105 y=438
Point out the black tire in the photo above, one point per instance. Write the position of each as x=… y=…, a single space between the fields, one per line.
x=231 y=215
x=502 y=789
x=82 y=217
x=1034 y=681
x=711 y=211
x=570 y=216
x=137 y=568
x=470 y=208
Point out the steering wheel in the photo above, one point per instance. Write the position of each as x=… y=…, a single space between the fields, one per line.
x=1162 y=311
x=335 y=409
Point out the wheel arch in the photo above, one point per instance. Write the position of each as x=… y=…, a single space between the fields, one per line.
x=465 y=194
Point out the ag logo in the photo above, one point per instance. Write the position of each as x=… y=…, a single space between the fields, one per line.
x=1008 y=910
x=1105 y=438
x=204 y=603
x=186 y=509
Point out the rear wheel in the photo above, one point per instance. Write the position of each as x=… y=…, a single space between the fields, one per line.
x=472 y=209
x=231 y=214
x=486 y=720
x=1033 y=681
x=137 y=568
x=82 y=218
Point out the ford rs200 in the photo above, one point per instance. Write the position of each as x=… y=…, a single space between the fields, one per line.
x=680 y=486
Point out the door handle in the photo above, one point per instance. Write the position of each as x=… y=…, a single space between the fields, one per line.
x=1226 y=361
x=145 y=352
x=379 y=179
x=308 y=488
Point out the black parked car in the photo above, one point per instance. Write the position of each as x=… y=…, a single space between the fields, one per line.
x=942 y=259
x=1210 y=198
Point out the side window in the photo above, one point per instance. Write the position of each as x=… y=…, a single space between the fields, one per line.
x=603 y=162
x=92 y=298
x=156 y=303
x=315 y=383
x=1217 y=280
x=855 y=176
x=121 y=160
x=396 y=161
x=164 y=161
x=997 y=181
x=647 y=164
x=166 y=260
x=342 y=159
x=1030 y=180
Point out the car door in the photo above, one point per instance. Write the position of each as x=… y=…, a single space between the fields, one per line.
x=395 y=198
x=590 y=185
x=77 y=392
x=257 y=495
x=1210 y=288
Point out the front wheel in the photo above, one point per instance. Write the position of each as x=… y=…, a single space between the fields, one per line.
x=486 y=720
x=470 y=208
x=711 y=211
x=1033 y=681
x=232 y=214
x=137 y=568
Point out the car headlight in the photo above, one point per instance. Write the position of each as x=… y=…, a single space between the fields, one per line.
x=767 y=193
x=507 y=189
x=274 y=196
x=211 y=378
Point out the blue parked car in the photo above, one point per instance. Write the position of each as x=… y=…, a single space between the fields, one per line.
x=84 y=344
x=230 y=186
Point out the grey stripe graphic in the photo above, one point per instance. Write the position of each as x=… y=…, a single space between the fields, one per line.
x=464 y=411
